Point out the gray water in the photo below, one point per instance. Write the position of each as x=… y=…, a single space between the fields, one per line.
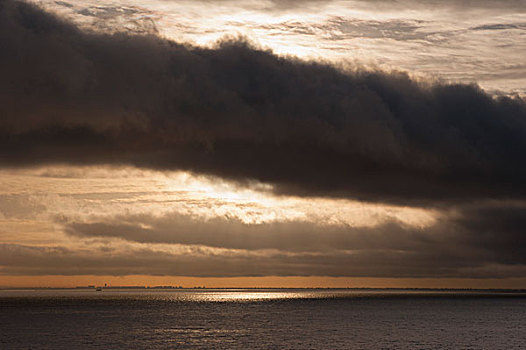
x=261 y=319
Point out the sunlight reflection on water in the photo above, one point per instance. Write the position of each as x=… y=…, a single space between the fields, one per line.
x=244 y=296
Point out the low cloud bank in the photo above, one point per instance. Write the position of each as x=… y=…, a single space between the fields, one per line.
x=462 y=242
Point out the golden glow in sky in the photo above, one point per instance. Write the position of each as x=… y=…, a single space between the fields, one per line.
x=473 y=44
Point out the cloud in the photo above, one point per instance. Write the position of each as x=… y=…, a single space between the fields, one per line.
x=242 y=113
x=236 y=111
x=466 y=5
x=504 y=26
x=389 y=5
x=337 y=28
x=233 y=233
x=463 y=241
x=386 y=253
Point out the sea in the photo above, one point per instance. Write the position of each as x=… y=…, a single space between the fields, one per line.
x=262 y=319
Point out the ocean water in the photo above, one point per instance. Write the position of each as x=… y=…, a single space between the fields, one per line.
x=261 y=319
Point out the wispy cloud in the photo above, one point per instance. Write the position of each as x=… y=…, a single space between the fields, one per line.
x=429 y=37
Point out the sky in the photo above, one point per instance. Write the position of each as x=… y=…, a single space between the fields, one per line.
x=263 y=143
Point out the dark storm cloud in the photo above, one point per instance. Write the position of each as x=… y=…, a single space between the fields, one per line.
x=68 y=96
x=498 y=229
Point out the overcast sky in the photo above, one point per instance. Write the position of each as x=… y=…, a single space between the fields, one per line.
x=345 y=143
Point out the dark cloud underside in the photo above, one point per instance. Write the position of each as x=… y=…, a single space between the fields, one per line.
x=26 y=260
x=68 y=96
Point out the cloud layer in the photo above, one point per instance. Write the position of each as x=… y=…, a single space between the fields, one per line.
x=460 y=245
x=246 y=114
x=459 y=242
x=241 y=113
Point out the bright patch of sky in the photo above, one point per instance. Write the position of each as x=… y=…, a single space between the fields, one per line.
x=469 y=42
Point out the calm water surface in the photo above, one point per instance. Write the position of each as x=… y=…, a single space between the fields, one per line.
x=261 y=319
